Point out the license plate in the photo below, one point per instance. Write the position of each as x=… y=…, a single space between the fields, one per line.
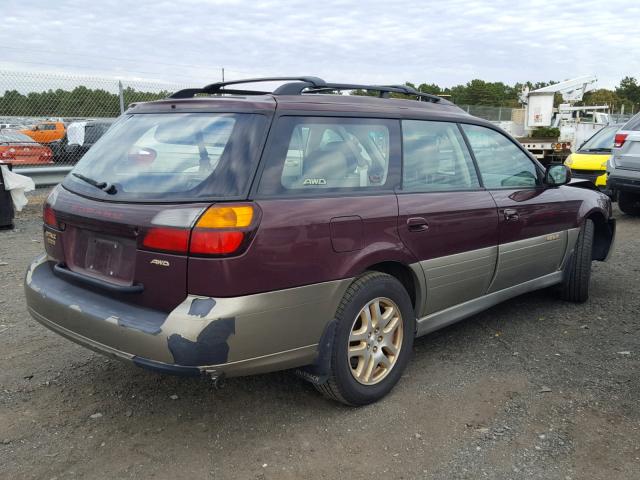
x=106 y=257
x=103 y=256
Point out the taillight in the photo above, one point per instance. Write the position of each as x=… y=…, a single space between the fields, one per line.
x=220 y=230
x=167 y=239
x=619 y=140
x=211 y=242
x=237 y=216
x=49 y=216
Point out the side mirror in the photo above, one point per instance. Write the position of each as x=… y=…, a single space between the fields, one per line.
x=557 y=174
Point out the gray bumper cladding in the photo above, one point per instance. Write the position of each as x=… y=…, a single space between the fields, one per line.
x=232 y=336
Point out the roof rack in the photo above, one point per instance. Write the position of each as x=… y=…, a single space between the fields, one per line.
x=303 y=85
x=219 y=87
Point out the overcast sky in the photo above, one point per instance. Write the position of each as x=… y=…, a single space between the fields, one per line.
x=444 y=42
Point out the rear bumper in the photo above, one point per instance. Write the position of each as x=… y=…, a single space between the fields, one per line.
x=231 y=336
x=624 y=180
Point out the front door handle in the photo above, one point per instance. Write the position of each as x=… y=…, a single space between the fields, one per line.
x=417 y=224
x=511 y=214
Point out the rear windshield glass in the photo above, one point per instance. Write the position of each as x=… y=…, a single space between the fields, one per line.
x=15 y=137
x=172 y=157
x=603 y=140
x=633 y=124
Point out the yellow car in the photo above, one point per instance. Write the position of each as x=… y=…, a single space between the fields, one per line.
x=590 y=161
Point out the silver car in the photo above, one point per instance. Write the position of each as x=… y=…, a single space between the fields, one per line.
x=624 y=167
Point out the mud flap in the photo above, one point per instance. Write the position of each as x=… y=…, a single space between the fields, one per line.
x=318 y=372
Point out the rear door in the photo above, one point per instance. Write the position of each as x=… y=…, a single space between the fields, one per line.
x=534 y=220
x=446 y=218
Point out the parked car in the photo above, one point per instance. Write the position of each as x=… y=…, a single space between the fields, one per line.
x=45 y=132
x=11 y=126
x=240 y=234
x=624 y=167
x=18 y=149
x=80 y=137
x=589 y=162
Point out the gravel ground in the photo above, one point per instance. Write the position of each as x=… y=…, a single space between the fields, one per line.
x=534 y=388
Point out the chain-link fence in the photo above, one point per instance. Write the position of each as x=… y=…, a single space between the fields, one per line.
x=52 y=120
x=493 y=114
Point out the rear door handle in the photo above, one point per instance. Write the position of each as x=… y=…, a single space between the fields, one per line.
x=417 y=224
x=511 y=214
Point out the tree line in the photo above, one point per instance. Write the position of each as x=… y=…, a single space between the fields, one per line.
x=79 y=102
x=87 y=102
x=499 y=94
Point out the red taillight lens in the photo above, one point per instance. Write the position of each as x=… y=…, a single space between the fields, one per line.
x=49 y=216
x=211 y=242
x=167 y=239
x=222 y=229
x=619 y=140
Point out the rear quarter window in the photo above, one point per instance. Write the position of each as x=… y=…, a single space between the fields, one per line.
x=320 y=155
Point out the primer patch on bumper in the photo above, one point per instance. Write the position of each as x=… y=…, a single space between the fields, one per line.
x=210 y=348
x=201 y=306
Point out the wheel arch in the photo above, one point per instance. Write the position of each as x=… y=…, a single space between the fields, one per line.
x=604 y=232
x=412 y=279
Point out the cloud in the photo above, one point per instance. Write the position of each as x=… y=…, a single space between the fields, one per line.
x=374 y=41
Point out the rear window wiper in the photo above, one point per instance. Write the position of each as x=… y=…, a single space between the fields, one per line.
x=104 y=186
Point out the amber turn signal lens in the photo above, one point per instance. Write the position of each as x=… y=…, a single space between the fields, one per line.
x=226 y=217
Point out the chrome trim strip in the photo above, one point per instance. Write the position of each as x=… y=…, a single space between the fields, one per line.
x=441 y=319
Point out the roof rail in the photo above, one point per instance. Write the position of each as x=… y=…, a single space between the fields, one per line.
x=304 y=84
x=219 y=86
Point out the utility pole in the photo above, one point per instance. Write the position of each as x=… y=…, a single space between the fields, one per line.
x=223 y=74
x=121 y=95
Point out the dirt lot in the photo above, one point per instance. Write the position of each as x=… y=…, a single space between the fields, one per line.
x=531 y=389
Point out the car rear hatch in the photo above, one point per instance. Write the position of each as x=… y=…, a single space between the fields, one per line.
x=627 y=155
x=627 y=145
x=111 y=247
x=123 y=220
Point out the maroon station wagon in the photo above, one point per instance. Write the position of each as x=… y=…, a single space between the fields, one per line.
x=225 y=231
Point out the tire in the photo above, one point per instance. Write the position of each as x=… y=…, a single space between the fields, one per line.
x=629 y=203
x=374 y=383
x=575 y=287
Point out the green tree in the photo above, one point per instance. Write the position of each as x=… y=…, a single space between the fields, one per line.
x=629 y=90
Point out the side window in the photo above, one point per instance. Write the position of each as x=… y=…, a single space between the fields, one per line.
x=435 y=158
x=501 y=163
x=325 y=154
